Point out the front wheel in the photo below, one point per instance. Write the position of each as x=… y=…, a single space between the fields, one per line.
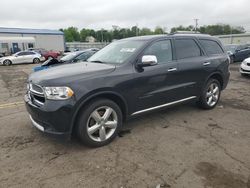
x=210 y=94
x=99 y=123
x=7 y=62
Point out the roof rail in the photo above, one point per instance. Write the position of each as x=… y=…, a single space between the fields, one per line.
x=185 y=32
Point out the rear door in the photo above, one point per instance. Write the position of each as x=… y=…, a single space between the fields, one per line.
x=190 y=58
x=19 y=57
x=29 y=57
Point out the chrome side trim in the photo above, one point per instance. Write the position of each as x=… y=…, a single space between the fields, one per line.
x=36 y=124
x=164 y=105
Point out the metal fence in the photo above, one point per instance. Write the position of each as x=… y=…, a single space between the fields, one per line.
x=71 y=46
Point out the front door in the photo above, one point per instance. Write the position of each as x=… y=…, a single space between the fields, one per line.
x=157 y=85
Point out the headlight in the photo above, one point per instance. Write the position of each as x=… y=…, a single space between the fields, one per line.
x=58 y=93
x=244 y=62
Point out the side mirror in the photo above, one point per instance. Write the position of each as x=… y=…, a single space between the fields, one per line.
x=148 y=60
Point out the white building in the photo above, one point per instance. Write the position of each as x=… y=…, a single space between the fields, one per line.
x=16 y=39
x=243 y=38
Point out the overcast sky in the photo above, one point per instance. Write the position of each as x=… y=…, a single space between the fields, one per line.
x=97 y=14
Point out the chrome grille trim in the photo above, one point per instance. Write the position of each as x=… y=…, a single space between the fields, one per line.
x=34 y=91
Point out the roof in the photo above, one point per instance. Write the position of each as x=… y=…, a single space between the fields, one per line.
x=152 y=37
x=30 y=31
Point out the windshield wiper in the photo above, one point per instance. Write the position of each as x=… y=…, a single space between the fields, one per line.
x=97 y=61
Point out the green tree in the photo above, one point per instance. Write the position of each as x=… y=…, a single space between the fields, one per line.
x=146 y=31
x=71 y=34
x=158 y=30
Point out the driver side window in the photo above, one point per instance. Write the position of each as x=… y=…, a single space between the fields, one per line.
x=162 y=50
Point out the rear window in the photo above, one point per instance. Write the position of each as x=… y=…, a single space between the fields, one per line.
x=211 y=47
x=187 y=48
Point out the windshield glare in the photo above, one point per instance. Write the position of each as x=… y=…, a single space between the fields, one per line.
x=117 y=52
x=231 y=48
x=68 y=57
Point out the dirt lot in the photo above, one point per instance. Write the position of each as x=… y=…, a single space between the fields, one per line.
x=178 y=147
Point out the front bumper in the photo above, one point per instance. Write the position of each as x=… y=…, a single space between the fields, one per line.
x=244 y=69
x=53 y=118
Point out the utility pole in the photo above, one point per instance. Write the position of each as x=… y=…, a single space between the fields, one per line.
x=137 y=32
x=196 y=24
x=102 y=34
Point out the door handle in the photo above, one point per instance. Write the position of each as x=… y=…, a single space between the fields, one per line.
x=172 y=69
x=206 y=63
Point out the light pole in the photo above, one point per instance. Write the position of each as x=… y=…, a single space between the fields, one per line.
x=196 y=24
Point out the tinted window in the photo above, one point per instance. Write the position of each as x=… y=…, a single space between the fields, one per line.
x=211 y=47
x=29 y=53
x=186 y=48
x=21 y=53
x=162 y=50
x=84 y=56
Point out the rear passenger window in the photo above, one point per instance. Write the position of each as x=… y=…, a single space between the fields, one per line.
x=162 y=50
x=211 y=47
x=187 y=48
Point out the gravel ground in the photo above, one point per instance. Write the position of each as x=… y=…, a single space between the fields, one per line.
x=182 y=146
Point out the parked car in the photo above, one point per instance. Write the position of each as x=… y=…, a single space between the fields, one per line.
x=128 y=77
x=237 y=52
x=45 y=53
x=73 y=57
x=245 y=67
x=21 y=57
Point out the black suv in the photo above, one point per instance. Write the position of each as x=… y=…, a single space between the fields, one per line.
x=124 y=79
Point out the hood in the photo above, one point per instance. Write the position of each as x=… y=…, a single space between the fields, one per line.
x=247 y=60
x=67 y=73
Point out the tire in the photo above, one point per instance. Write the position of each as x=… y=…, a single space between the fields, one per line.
x=93 y=128
x=232 y=59
x=7 y=62
x=36 y=60
x=210 y=94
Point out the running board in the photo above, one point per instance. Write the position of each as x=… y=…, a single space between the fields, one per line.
x=163 y=105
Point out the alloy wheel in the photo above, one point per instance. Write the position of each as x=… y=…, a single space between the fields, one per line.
x=102 y=123
x=212 y=94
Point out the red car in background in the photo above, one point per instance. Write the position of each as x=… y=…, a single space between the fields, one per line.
x=45 y=53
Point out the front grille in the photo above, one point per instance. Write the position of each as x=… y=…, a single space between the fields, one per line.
x=245 y=70
x=36 y=94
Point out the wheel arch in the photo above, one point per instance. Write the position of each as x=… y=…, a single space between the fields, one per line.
x=113 y=96
x=8 y=60
x=218 y=76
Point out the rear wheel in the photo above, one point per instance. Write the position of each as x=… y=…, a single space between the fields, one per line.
x=7 y=62
x=232 y=59
x=36 y=60
x=99 y=123
x=210 y=94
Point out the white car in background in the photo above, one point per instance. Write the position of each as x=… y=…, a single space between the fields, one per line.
x=245 y=67
x=21 y=57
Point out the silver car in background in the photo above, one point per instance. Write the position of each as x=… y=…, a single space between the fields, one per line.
x=21 y=57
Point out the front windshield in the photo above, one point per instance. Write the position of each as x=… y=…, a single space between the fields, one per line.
x=68 y=57
x=117 y=52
